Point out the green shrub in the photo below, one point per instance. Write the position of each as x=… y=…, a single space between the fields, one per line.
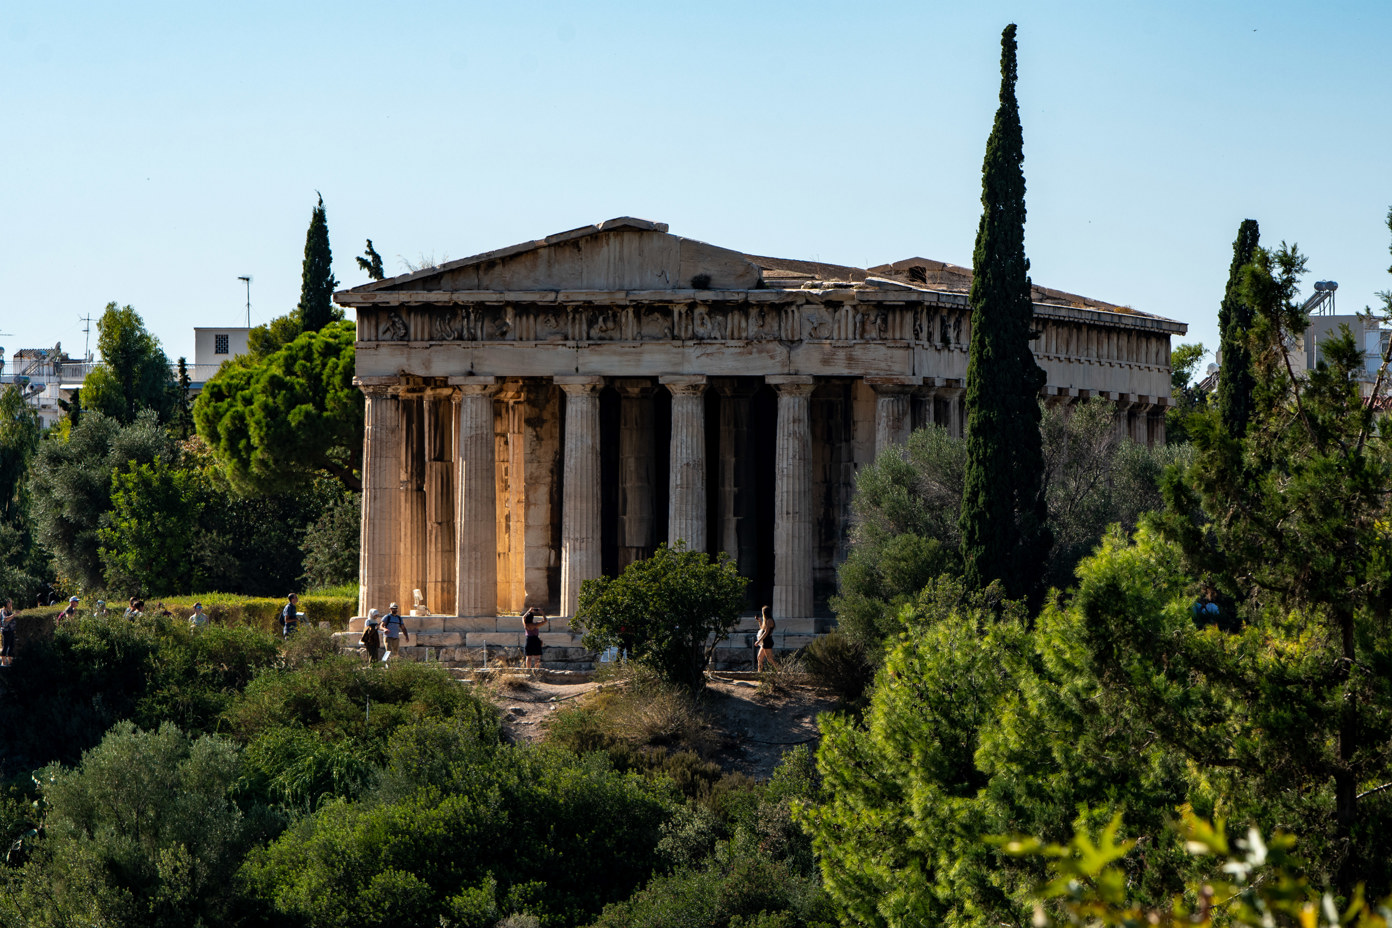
x=839 y=665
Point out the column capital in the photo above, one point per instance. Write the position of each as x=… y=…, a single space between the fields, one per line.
x=579 y=384
x=792 y=384
x=473 y=386
x=684 y=384
x=376 y=386
x=440 y=393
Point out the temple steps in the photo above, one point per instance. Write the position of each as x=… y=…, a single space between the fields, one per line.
x=467 y=642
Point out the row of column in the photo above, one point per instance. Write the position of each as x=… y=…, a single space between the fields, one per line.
x=430 y=489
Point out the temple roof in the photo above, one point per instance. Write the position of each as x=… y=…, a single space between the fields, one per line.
x=626 y=253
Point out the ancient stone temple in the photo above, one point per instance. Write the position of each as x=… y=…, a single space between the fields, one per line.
x=552 y=411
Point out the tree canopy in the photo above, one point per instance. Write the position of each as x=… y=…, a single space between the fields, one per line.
x=1235 y=318
x=275 y=423
x=1004 y=536
x=317 y=283
x=134 y=373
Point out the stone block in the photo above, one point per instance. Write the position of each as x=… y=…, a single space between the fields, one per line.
x=792 y=642
x=795 y=626
x=469 y=625
x=494 y=639
x=439 y=640
x=559 y=639
x=424 y=625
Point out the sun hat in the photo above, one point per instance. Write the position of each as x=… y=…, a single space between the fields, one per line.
x=393 y=607
x=73 y=599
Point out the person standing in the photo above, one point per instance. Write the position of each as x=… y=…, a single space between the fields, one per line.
x=532 y=621
x=371 y=639
x=7 y=633
x=70 y=612
x=199 y=617
x=765 y=640
x=290 y=616
x=394 y=627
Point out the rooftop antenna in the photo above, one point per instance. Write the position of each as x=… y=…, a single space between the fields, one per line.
x=247 y=280
x=86 y=335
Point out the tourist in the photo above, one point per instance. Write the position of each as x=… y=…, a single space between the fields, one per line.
x=764 y=640
x=100 y=611
x=532 y=621
x=394 y=627
x=7 y=633
x=199 y=618
x=70 y=612
x=131 y=612
x=371 y=638
x=290 y=616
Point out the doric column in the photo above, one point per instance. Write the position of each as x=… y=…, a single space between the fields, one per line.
x=637 y=531
x=440 y=416
x=476 y=525
x=736 y=487
x=381 y=490
x=580 y=515
x=411 y=570
x=951 y=395
x=1140 y=422
x=686 y=512
x=893 y=421
x=792 y=514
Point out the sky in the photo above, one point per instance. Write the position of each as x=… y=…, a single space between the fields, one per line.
x=156 y=152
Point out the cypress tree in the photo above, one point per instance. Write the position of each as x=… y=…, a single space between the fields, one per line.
x=1235 y=382
x=317 y=283
x=1004 y=536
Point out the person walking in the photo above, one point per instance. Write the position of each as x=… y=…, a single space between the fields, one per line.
x=7 y=633
x=70 y=612
x=290 y=616
x=394 y=627
x=371 y=638
x=764 y=640
x=199 y=617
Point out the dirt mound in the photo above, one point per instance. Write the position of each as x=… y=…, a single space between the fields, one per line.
x=756 y=725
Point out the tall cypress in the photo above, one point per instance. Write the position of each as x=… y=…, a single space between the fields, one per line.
x=317 y=283
x=1235 y=381
x=1004 y=535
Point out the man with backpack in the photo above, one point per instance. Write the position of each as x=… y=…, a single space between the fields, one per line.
x=394 y=627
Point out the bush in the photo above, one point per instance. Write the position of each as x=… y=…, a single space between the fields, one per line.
x=839 y=665
x=666 y=611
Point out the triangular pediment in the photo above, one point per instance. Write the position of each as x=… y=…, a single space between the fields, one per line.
x=618 y=254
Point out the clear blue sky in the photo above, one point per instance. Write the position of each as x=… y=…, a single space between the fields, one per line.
x=154 y=152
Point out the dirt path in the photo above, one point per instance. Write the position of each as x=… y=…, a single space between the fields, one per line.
x=756 y=728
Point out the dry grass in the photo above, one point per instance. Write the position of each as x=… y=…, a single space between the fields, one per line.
x=638 y=711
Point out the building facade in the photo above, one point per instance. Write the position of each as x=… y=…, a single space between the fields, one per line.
x=550 y=412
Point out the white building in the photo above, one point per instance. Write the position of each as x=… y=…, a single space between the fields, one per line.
x=45 y=375
x=212 y=346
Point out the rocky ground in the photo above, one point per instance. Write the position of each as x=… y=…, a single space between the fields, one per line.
x=755 y=725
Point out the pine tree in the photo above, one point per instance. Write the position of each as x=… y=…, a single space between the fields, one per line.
x=316 y=308
x=1004 y=536
x=1234 y=320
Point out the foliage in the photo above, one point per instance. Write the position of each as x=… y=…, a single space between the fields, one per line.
x=1258 y=885
x=907 y=504
x=72 y=486
x=74 y=682
x=1185 y=395
x=1235 y=319
x=840 y=665
x=747 y=863
x=980 y=723
x=275 y=423
x=665 y=610
x=317 y=283
x=480 y=830
x=1291 y=519
x=21 y=564
x=141 y=832
x=1004 y=535
x=149 y=538
x=331 y=545
x=134 y=374
x=371 y=262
